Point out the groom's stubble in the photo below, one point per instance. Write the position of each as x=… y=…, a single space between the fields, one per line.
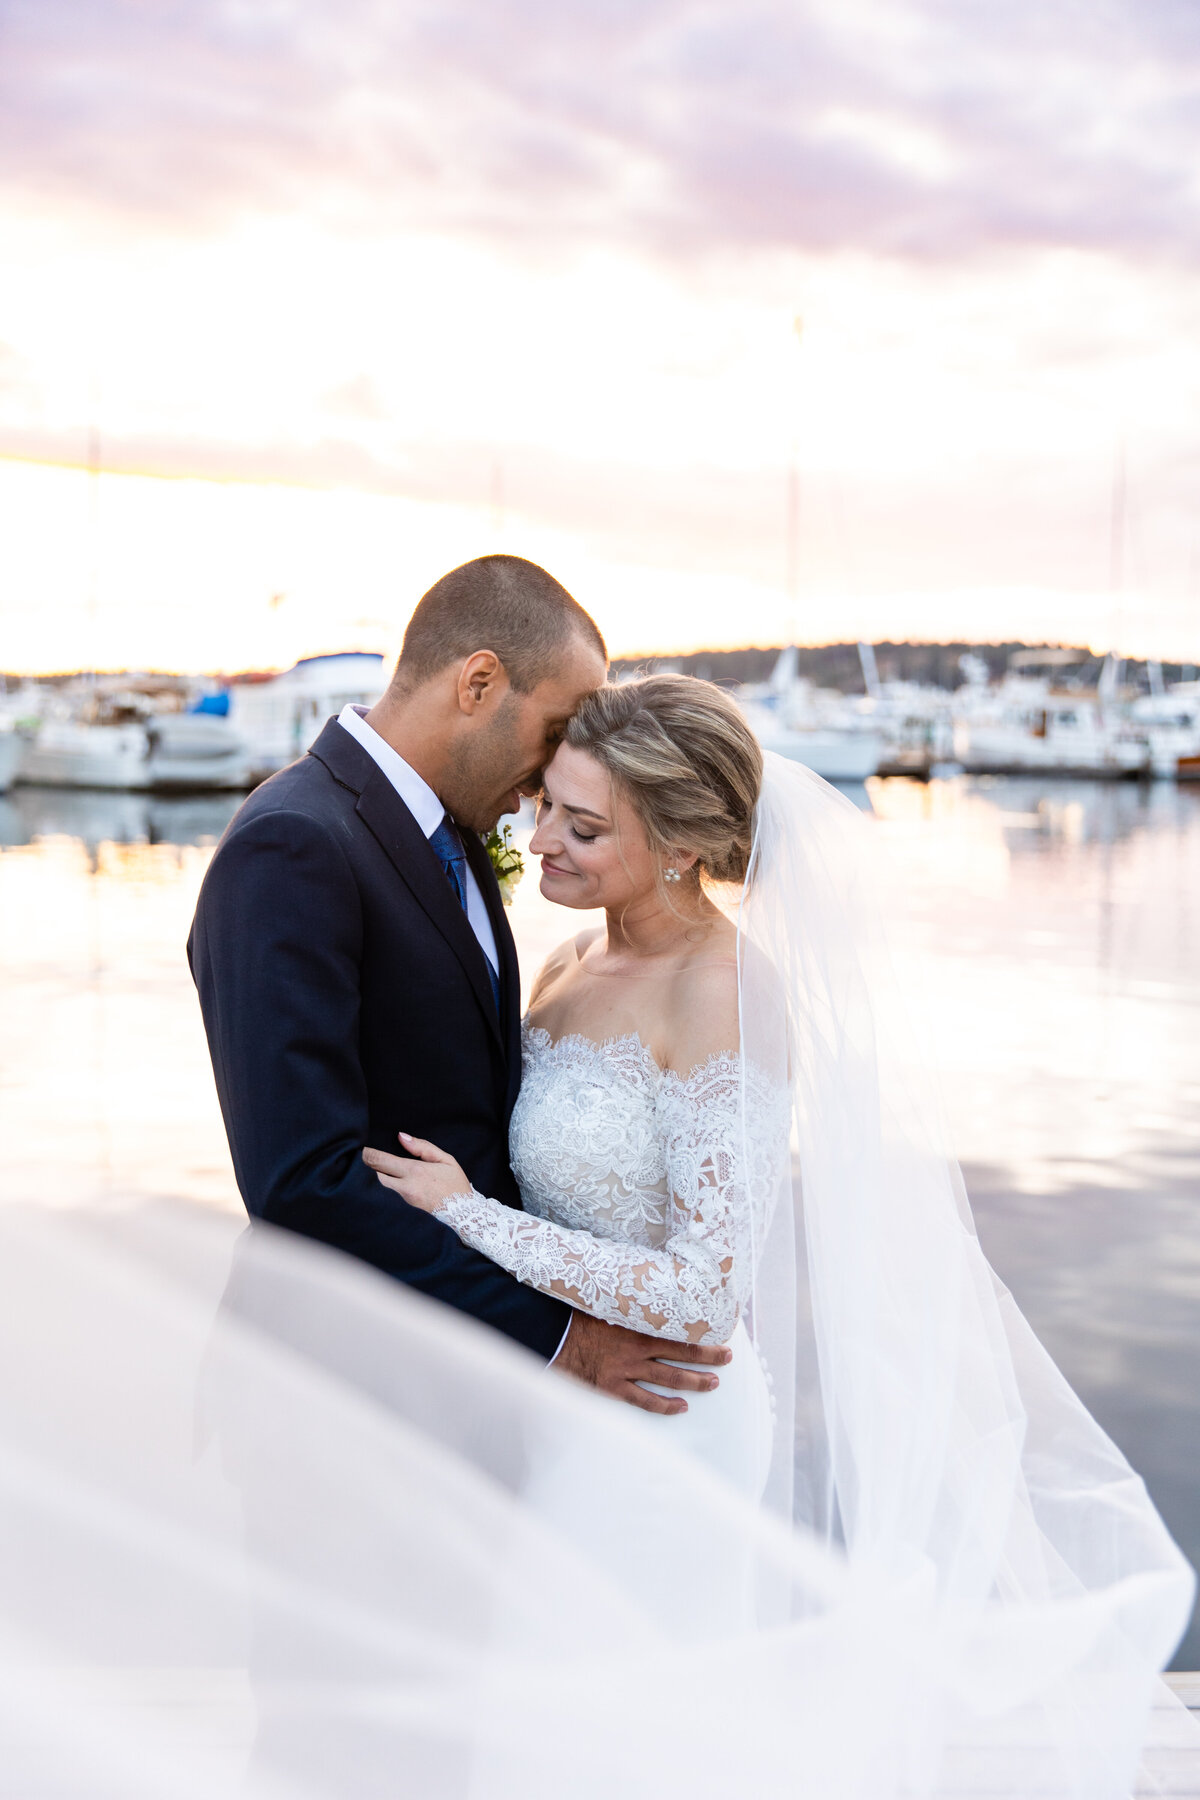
x=503 y=751
x=485 y=767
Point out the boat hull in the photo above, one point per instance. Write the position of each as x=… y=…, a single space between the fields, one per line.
x=983 y=751
x=92 y=756
x=174 y=754
x=1175 y=756
x=834 y=755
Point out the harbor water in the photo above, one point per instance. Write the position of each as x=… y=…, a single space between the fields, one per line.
x=1054 y=928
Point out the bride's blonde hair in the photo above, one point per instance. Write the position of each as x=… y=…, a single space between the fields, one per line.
x=682 y=754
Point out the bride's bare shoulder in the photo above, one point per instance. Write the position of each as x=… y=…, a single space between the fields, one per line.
x=560 y=962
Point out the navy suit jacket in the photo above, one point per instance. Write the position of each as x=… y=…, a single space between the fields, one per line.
x=346 y=998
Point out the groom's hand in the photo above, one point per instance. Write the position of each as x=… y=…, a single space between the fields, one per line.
x=615 y=1360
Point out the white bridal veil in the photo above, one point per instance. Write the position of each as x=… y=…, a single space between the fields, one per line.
x=922 y=1429
x=267 y=1528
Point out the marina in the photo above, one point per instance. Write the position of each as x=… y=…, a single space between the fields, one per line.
x=169 y=734
x=1040 y=717
x=279 y=717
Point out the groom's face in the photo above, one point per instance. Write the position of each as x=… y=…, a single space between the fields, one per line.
x=503 y=756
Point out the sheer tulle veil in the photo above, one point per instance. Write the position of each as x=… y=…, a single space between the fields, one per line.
x=921 y=1427
x=268 y=1529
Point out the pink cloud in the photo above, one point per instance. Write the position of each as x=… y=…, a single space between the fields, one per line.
x=670 y=123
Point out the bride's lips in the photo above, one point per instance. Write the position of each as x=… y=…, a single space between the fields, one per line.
x=549 y=868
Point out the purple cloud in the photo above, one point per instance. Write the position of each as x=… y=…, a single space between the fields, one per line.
x=928 y=129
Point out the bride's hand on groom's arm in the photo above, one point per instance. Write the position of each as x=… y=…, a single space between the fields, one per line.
x=617 y=1361
x=427 y=1177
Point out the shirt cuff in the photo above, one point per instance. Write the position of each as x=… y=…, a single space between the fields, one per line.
x=562 y=1340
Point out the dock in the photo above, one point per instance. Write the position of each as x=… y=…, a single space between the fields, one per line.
x=209 y=1717
x=1171 y=1766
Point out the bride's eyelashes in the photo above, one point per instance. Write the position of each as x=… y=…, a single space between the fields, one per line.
x=545 y=806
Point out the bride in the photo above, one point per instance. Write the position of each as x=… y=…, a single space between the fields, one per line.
x=725 y=1135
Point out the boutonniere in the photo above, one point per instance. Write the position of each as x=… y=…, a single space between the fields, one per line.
x=507 y=862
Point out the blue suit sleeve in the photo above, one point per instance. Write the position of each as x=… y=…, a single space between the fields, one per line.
x=275 y=952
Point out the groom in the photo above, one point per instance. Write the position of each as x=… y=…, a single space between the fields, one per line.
x=357 y=973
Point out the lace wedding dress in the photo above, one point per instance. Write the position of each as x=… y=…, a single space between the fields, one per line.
x=640 y=1209
x=645 y=1201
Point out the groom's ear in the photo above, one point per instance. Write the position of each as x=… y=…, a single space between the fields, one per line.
x=481 y=682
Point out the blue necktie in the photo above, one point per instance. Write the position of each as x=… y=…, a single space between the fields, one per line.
x=448 y=848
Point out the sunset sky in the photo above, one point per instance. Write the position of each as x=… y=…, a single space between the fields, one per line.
x=345 y=294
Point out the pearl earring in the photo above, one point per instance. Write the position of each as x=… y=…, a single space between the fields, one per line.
x=670 y=874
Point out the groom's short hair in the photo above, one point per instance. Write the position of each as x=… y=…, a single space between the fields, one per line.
x=499 y=603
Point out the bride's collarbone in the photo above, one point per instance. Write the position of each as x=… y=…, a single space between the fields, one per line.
x=602 y=1026
x=681 y=1018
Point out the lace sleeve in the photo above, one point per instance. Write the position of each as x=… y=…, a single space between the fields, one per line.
x=691 y=1289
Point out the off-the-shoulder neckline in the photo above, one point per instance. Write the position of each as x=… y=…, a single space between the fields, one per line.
x=622 y=1040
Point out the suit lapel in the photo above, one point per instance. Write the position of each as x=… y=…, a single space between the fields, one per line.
x=389 y=821
x=407 y=848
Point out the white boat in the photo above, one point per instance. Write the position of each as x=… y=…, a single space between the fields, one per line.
x=281 y=717
x=158 y=754
x=912 y=719
x=831 y=733
x=11 y=747
x=68 y=753
x=193 y=750
x=1170 y=719
x=833 y=753
x=1025 y=725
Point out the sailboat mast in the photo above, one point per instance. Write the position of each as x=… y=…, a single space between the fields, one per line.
x=93 y=600
x=1116 y=564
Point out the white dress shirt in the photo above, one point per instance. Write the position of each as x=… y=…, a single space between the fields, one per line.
x=429 y=812
x=425 y=808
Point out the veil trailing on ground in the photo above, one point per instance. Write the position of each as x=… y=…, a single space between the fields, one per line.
x=921 y=1427
x=277 y=1544
x=267 y=1527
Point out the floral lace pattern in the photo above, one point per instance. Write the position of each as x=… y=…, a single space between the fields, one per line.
x=644 y=1196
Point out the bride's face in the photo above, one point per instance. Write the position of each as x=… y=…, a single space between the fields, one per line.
x=592 y=844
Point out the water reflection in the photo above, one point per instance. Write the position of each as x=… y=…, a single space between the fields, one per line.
x=94 y=818
x=1056 y=930
x=106 y=1094
x=1057 y=925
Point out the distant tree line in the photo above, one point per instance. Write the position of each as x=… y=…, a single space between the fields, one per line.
x=838 y=665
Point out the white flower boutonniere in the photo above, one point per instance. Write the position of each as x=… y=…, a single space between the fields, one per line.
x=506 y=860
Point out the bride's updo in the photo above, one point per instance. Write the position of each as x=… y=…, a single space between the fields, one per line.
x=682 y=754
